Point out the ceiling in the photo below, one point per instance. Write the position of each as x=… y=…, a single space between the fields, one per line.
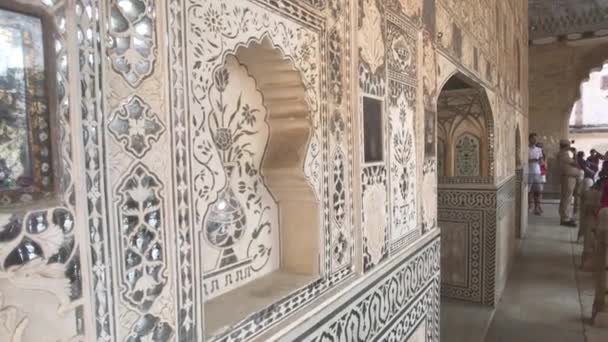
x=550 y=18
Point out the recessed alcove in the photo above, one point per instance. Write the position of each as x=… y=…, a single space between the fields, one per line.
x=275 y=249
x=462 y=115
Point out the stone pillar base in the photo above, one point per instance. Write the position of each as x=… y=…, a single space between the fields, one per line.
x=478 y=239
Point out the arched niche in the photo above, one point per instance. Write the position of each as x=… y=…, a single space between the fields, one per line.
x=265 y=222
x=463 y=109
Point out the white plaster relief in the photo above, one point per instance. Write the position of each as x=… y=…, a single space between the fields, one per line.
x=37 y=260
x=370 y=36
x=375 y=221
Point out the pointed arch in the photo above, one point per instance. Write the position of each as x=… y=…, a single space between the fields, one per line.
x=464 y=107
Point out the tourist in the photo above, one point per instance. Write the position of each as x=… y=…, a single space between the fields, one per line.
x=584 y=165
x=602 y=185
x=535 y=180
x=543 y=166
x=594 y=160
x=570 y=177
x=603 y=174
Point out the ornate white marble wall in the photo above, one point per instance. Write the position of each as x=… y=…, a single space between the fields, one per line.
x=188 y=135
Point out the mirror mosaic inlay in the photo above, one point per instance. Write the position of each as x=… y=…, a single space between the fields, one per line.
x=25 y=156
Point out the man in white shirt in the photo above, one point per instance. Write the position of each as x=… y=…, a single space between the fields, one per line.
x=535 y=179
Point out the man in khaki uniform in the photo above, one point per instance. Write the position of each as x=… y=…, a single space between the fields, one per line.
x=571 y=176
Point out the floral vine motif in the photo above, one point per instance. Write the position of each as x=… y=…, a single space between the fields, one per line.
x=339 y=194
x=340 y=251
x=340 y=243
x=136 y=126
x=337 y=125
x=335 y=65
x=141 y=215
x=336 y=8
x=132 y=43
x=403 y=167
x=370 y=36
x=239 y=224
x=230 y=26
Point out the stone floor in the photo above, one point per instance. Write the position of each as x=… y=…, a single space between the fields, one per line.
x=547 y=297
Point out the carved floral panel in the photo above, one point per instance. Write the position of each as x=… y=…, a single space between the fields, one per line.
x=370 y=36
x=402 y=163
x=235 y=27
x=140 y=211
x=241 y=230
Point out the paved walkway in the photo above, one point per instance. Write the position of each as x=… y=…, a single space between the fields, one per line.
x=547 y=297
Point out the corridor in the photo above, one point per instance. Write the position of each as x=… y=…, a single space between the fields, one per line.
x=547 y=297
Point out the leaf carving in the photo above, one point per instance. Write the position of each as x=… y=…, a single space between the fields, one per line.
x=370 y=37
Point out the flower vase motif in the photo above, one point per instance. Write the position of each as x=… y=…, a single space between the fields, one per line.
x=226 y=222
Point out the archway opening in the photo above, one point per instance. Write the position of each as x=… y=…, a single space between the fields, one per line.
x=262 y=234
x=464 y=125
x=464 y=161
x=588 y=123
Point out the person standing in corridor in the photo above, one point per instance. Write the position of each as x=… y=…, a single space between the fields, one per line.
x=571 y=175
x=535 y=179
